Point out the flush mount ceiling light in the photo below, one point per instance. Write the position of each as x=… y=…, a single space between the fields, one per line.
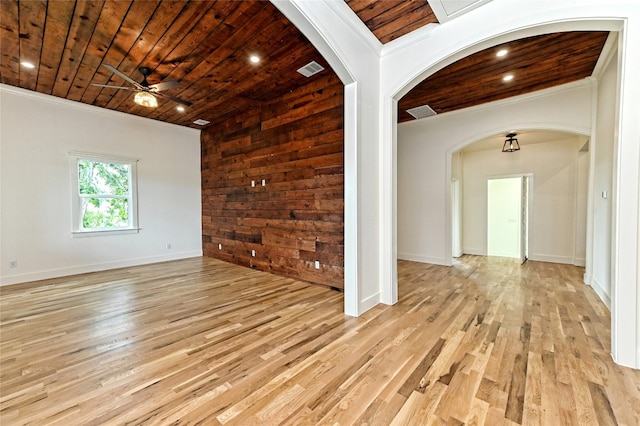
x=28 y=65
x=507 y=78
x=180 y=108
x=145 y=99
x=511 y=143
x=254 y=59
x=501 y=53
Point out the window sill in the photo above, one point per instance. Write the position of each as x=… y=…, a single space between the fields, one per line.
x=81 y=234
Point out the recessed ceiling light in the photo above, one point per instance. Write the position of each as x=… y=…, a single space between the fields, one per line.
x=180 y=108
x=501 y=53
x=254 y=59
x=507 y=77
x=28 y=65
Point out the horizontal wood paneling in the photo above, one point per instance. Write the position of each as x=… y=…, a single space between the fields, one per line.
x=390 y=19
x=536 y=63
x=295 y=143
x=204 y=44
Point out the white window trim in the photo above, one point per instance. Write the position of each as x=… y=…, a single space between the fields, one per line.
x=76 y=226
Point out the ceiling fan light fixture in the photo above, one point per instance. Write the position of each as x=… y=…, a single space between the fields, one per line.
x=145 y=99
x=511 y=143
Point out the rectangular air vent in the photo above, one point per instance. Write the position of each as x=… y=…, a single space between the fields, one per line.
x=423 y=111
x=201 y=122
x=312 y=68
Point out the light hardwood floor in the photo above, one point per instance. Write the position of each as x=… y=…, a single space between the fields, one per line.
x=200 y=341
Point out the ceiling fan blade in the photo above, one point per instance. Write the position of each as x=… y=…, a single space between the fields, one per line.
x=111 y=87
x=165 y=85
x=124 y=76
x=174 y=99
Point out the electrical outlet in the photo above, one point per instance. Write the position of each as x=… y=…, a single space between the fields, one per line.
x=219 y=246
x=13 y=264
x=317 y=264
x=253 y=253
x=168 y=246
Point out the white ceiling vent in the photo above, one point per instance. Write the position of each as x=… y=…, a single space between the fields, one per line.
x=201 y=122
x=423 y=111
x=312 y=68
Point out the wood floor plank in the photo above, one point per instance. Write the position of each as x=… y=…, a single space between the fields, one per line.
x=198 y=341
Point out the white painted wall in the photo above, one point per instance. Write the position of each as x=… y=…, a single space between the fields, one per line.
x=36 y=134
x=411 y=59
x=408 y=60
x=425 y=148
x=602 y=145
x=559 y=180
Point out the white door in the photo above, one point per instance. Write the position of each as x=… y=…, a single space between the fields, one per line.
x=504 y=217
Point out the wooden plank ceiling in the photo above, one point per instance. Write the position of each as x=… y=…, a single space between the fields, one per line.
x=535 y=63
x=390 y=19
x=204 y=44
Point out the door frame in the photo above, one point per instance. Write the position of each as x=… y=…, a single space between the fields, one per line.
x=529 y=203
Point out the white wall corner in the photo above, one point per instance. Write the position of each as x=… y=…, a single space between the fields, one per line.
x=369 y=302
x=349 y=17
x=602 y=294
x=424 y=259
x=609 y=52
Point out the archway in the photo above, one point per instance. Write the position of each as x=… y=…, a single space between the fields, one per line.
x=556 y=166
x=625 y=351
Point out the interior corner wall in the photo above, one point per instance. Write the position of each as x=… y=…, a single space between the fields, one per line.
x=424 y=157
x=295 y=144
x=36 y=134
x=602 y=144
x=557 y=177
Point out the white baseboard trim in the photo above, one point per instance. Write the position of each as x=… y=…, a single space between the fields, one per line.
x=83 y=269
x=474 y=252
x=578 y=261
x=368 y=303
x=424 y=259
x=552 y=259
x=587 y=279
x=599 y=289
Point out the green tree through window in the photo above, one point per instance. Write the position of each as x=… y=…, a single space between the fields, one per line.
x=105 y=193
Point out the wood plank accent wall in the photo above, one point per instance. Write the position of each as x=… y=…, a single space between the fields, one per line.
x=294 y=143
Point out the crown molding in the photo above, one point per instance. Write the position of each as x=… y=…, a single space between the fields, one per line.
x=585 y=82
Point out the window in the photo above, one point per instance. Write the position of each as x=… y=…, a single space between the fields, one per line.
x=104 y=194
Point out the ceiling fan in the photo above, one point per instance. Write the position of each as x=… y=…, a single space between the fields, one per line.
x=145 y=93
